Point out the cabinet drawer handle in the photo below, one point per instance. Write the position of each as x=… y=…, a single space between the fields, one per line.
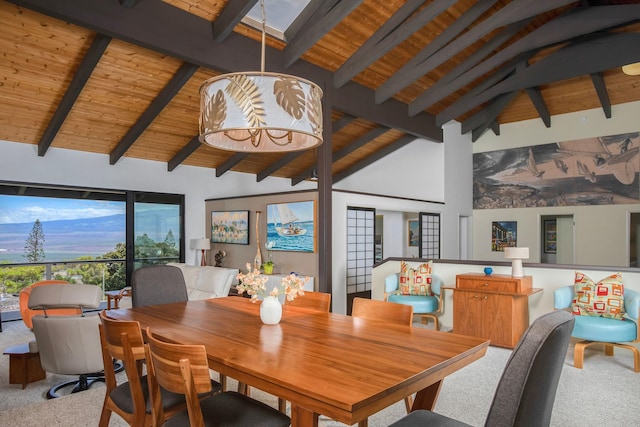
x=485 y=297
x=485 y=285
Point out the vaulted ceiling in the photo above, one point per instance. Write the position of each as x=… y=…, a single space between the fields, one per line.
x=122 y=77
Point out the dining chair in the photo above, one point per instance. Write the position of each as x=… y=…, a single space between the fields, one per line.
x=526 y=391
x=184 y=369
x=157 y=284
x=319 y=301
x=389 y=312
x=122 y=340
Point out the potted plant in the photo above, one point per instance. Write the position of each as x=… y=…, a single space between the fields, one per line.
x=267 y=266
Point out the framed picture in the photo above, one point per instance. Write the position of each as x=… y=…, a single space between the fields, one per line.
x=504 y=234
x=413 y=235
x=550 y=238
x=230 y=227
x=291 y=226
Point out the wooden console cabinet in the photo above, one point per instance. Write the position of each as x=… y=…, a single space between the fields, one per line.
x=495 y=307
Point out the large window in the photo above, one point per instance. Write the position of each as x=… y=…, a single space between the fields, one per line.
x=68 y=233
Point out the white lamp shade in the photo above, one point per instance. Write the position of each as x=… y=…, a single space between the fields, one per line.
x=516 y=253
x=260 y=112
x=203 y=244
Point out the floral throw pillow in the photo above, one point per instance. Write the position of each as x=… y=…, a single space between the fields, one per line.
x=604 y=298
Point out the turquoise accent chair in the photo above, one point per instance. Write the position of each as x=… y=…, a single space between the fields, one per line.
x=602 y=330
x=428 y=307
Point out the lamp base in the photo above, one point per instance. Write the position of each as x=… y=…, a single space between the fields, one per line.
x=516 y=268
x=203 y=259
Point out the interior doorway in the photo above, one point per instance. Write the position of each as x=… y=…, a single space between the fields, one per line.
x=557 y=239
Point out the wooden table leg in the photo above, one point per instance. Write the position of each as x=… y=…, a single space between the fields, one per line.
x=301 y=417
x=427 y=397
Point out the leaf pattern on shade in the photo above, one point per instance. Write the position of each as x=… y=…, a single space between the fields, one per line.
x=246 y=95
x=314 y=110
x=290 y=96
x=215 y=112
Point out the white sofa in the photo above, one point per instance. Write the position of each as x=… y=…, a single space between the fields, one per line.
x=204 y=282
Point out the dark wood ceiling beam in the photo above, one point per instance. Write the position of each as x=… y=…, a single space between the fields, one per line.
x=409 y=71
x=88 y=64
x=159 y=26
x=230 y=16
x=441 y=88
x=603 y=95
x=576 y=23
x=490 y=114
x=184 y=153
x=495 y=127
x=538 y=102
x=339 y=154
x=372 y=158
x=128 y=3
x=393 y=32
x=314 y=31
x=514 y=11
x=165 y=96
x=289 y=157
x=229 y=163
x=590 y=55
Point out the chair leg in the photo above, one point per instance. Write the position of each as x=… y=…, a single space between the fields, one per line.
x=578 y=353
x=430 y=316
x=364 y=423
x=282 y=405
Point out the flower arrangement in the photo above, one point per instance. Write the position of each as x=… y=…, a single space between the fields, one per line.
x=269 y=245
x=255 y=284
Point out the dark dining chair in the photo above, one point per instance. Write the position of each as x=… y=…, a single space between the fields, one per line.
x=527 y=389
x=157 y=284
x=184 y=369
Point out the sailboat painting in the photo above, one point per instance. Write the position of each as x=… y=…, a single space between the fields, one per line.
x=291 y=226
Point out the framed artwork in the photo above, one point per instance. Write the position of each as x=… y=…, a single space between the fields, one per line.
x=413 y=235
x=550 y=238
x=230 y=227
x=291 y=226
x=504 y=234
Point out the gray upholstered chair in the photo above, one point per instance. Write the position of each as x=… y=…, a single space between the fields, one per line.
x=68 y=345
x=157 y=284
x=526 y=392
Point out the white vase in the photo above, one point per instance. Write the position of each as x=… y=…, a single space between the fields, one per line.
x=270 y=310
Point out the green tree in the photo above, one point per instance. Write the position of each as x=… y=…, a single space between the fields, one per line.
x=115 y=277
x=34 y=245
x=169 y=247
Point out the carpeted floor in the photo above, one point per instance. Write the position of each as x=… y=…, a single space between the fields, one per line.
x=605 y=392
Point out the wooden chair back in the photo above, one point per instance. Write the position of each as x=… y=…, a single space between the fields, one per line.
x=319 y=301
x=397 y=314
x=179 y=368
x=123 y=340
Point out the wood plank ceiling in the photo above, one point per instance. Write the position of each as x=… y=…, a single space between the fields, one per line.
x=122 y=78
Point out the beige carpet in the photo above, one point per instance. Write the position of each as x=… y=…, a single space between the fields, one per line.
x=604 y=393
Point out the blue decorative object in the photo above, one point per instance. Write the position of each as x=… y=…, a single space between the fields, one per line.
x=488 y=270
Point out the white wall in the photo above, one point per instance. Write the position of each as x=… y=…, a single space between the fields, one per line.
x=20 y=163
x=452 y=186
x=601 y=232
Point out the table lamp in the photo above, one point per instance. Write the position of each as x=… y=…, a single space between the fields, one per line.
x=203 y=245
x=516 y=255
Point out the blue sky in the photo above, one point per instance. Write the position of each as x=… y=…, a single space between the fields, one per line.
x=20 y=209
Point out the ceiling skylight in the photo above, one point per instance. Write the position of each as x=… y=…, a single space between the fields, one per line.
x=280 y=14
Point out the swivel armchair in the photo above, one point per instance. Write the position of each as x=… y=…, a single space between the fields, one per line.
x=68 y=345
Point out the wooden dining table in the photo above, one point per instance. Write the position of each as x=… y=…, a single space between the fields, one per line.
x=323 y=363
